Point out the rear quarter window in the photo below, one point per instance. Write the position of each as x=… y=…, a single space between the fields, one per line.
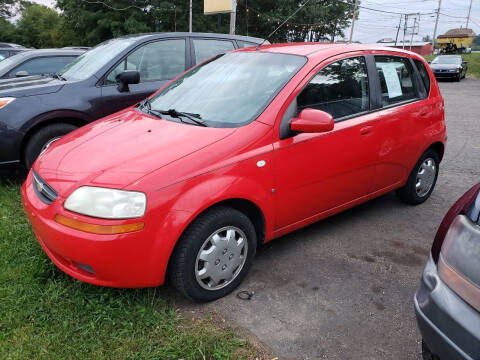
x=424 y=74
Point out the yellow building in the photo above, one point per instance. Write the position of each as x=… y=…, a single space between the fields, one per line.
x=455 y=39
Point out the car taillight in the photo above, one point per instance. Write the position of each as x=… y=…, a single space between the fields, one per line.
x=462 y=206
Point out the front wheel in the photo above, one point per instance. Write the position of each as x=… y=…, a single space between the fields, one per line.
x=42 y=139
x=214 y=254
x=422 y=179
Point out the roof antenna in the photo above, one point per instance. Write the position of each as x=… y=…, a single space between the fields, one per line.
x=283 y=23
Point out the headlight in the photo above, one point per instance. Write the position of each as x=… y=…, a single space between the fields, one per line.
x=5 y=101
x=107 y=203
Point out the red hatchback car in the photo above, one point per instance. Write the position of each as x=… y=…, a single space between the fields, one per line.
x=239 y=150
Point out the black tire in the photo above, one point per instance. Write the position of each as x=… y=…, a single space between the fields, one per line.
x=408 y=193
x=426 y=353
x=41 y=138
x=183 y=261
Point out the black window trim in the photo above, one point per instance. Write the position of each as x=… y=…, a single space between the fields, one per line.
x=192 y=46
x=426 y=93
x=101 y=81
x=375 y=92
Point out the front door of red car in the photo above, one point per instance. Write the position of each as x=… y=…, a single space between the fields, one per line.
x=319 y=172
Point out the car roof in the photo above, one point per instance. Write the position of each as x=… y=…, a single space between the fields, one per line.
x=315 y=49
x=9 y=45
x=48 y=52
x=193 y=34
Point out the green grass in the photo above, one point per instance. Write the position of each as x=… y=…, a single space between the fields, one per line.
x=45 y=314
x=473 y=64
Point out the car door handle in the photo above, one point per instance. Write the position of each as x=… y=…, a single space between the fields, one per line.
x=366 y=130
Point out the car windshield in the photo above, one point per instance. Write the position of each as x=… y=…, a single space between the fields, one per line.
x=12 y=60
x=231 y=90
x=93 y=60
x=447 y=60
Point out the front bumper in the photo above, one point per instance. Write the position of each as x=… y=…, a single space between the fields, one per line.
x=446 y=75
x=449 y=326
x=122 y=260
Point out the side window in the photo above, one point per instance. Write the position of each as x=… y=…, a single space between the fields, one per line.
x=43 y=65
x=3 y=55
x=160 y=60
x=424 y=74
x=245 y=44
x=206 y=48
x=396 y=79
x=340 y=89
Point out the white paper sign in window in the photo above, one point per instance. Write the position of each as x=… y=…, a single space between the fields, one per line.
x=391 y=79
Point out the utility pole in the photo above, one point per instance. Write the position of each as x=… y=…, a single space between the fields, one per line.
x=353 y=20
x=405 y=30
x=233 y=17
x=469 y=11
x=246 y=14
x=190 y=25
x=398 y=29
x=413 y=31
x=436 y=25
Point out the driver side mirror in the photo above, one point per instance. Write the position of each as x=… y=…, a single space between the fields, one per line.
x=312 y=121
x=127 y=77
x=21 y=73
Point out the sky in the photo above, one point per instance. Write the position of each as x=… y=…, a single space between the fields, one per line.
x=374 y=25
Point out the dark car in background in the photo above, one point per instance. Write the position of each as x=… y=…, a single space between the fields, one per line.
x=110 y=77
x=37 y=62
x=447 y=304
x=449 y=67
x=9 y=49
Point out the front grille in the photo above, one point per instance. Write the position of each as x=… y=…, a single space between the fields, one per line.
x=42 y=189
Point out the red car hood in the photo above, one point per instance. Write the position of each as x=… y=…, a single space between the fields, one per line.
x=120 y=149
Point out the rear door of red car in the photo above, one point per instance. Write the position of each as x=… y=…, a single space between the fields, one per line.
x=405 y=114
x=321 y=171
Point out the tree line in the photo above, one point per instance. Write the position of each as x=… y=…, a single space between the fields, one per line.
x=89 y=22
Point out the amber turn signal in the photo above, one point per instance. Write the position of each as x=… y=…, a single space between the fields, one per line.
x=98 y=229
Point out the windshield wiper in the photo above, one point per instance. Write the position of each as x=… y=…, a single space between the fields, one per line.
x=59 y=77
x=195 y=118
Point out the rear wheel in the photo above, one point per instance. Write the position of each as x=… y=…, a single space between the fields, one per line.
x=422 y=179
x=42 y=139
x=214 y=254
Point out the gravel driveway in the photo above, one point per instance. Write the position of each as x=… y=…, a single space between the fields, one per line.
x=343 y=287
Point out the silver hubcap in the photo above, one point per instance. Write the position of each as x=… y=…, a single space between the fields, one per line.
x=221 y=258
x=425 y=177
x=48 y=143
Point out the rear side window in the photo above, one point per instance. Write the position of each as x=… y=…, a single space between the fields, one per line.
x=43 y=65
x=424 y=74
x=206 y=48
x=3 y=55
x=340 y=89
x=396 y=79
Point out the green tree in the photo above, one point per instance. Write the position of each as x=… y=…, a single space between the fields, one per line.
x=8 y=31
x=97 y=21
